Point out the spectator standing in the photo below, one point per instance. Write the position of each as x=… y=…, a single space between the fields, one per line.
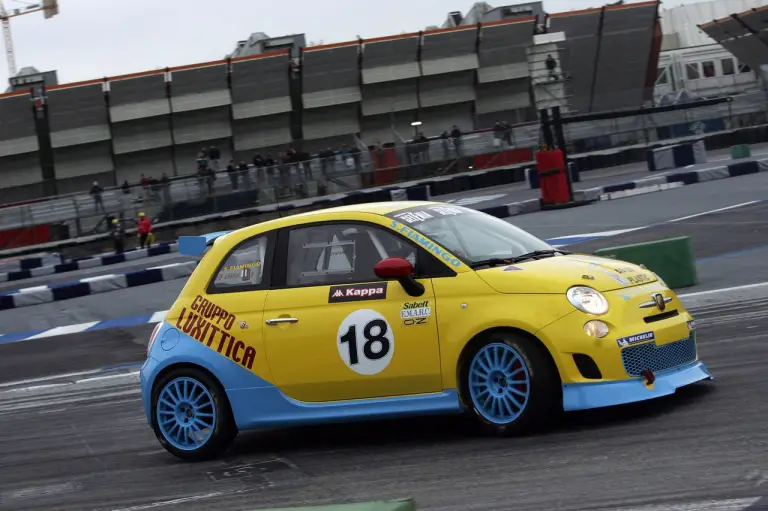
x=202 y=160
x=551 y=64
x=269 y=165
x=126 y=187
x=96 y=192
x=118 y=236
x=232 y=173
x=456 y=136
x=214 y=155
x=144 y=184
x=243 y=171
x=144 y=229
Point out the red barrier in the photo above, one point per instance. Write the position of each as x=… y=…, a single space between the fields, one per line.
x=553 y=178
x=25 y=236
x=503 y=159
x=386 y=162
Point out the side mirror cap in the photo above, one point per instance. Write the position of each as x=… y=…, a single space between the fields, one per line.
x=393 y=268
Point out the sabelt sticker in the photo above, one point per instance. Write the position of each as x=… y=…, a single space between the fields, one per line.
x=357 y=293
x=416 y=313
x=623 y=342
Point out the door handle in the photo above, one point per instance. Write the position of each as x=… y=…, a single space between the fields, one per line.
x=277 y=321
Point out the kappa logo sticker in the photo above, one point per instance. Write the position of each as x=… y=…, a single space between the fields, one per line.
x=357 y=293
x=623 y=342
x=416 y=313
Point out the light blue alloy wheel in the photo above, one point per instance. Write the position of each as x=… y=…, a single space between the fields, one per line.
x=186 y=413
x=499 y=383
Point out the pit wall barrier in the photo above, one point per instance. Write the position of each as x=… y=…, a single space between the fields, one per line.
x=671 y=259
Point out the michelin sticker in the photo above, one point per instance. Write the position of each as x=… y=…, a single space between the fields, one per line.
x=416 y=313
x=630 y=340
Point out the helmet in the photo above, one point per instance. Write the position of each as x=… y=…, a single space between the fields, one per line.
x=141 y=214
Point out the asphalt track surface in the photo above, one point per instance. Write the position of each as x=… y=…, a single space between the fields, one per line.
x=87 y=446
x=505 y=194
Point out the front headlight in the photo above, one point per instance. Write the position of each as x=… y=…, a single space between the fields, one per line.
x=587 y=300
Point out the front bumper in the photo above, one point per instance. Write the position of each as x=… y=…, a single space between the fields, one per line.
x=583 y=396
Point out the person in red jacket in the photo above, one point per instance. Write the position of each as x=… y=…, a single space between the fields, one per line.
x=144 y=229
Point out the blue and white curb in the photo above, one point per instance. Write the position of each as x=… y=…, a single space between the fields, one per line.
x=90 y=262
x=637 y=187
x=94 y=285
x=28 y=263
x=675 y=180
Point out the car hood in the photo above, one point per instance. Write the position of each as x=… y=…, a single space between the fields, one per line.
x=557 y=274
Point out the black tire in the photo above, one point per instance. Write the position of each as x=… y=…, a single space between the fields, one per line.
x=224 y=430
x=543 y=402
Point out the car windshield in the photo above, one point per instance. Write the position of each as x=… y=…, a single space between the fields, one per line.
x=471 y=235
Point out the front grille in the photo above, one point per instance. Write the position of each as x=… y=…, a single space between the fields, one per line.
x=658 y=358
x=661 y=317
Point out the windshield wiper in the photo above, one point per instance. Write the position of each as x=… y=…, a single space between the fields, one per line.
x=489 y=262
x=537 y=253
x=496 y=261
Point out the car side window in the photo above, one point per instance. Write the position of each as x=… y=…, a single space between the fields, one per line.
x=243 y=267
x=329 y=254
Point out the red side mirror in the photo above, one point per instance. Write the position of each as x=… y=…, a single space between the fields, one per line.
x=393 y=268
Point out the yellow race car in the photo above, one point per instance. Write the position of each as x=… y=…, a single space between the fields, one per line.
x=403 y=308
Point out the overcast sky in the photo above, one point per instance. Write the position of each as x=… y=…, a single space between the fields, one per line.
x=97 y=38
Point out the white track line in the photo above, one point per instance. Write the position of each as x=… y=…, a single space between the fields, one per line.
x=713 y=211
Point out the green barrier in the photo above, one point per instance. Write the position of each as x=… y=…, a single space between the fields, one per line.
x=741 y=151
x=380 y=505
x=671 y=259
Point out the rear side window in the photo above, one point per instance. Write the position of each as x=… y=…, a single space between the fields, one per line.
x=244 y=266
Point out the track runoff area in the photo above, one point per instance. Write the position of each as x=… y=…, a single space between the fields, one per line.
x=75 y=435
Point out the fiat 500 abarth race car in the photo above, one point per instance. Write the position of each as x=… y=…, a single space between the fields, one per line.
x=403 y=308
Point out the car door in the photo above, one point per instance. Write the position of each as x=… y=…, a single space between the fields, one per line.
x=334 y=331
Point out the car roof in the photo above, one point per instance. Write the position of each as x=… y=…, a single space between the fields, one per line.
x=376 y=208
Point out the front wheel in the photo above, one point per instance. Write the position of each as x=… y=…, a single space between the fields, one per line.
x=510 y=385
x=191 y=415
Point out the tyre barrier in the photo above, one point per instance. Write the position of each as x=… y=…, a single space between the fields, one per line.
x=94 y=285
x=676 y=156
x=83 y=263
x=379 y=505
x=671 y=259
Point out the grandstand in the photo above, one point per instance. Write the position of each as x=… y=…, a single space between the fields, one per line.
x=743 y=34
x=469 y=75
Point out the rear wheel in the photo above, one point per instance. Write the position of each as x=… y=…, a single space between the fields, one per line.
x=191 y=415
x=510 y=385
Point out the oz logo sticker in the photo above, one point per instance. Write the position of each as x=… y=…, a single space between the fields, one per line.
x=366 y=342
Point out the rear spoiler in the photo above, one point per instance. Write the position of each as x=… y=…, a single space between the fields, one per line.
x=196 y=245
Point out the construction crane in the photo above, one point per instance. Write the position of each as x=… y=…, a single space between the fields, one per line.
x=50 y=9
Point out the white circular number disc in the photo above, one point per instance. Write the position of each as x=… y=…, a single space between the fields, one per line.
x=359 y=322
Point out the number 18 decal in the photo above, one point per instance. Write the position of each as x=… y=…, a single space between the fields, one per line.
x=366 y=342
